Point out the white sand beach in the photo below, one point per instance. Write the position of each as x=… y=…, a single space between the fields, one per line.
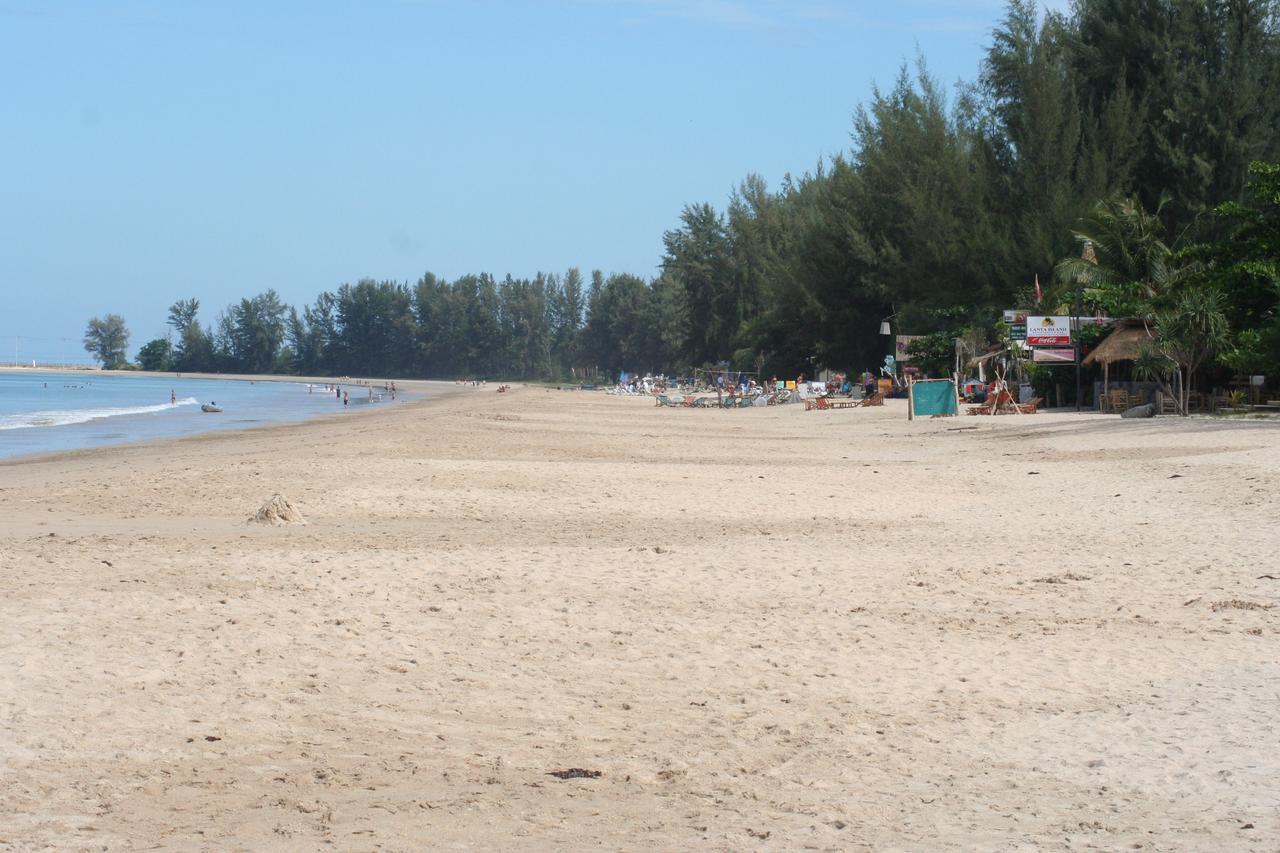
x=765 y=629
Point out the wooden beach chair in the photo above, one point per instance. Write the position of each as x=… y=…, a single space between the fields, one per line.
x=876 y=399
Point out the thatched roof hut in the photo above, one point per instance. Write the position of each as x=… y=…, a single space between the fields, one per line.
x=1122 y=344
x=984 y=357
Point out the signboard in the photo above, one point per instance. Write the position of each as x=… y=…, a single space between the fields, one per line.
x=1048 y=331
x=903 y=342
x=1013 y=316
x=1054 y=355
x=1018 y=331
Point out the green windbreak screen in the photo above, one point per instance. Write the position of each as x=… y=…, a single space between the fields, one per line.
x=935 y=397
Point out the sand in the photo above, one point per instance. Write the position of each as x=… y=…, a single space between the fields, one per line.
x=764 y=629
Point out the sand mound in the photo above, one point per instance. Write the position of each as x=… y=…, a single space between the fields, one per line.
x=278 y=510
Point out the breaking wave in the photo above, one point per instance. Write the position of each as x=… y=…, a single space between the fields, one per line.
x=27 y=420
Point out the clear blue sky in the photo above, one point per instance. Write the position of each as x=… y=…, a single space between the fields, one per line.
x=158 y=150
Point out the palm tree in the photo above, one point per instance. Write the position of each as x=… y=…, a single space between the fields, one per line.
x=1190 y=332
x=1126 y=264
x=1129 y=269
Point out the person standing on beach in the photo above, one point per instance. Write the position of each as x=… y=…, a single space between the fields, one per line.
x=173 y=398
x=345 y=399
x=337 y=392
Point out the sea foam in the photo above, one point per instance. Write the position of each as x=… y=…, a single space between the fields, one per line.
x=62 y=417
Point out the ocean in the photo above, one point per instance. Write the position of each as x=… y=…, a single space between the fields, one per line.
x=43 y=411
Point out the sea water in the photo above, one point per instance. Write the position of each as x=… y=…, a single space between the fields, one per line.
x=42 y=411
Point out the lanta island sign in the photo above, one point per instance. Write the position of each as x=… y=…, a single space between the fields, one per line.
x=1048 y=331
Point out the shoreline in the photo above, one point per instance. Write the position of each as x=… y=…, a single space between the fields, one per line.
x=423 y=387
x=837 y=629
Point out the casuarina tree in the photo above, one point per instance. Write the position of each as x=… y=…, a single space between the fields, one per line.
x=107 y=339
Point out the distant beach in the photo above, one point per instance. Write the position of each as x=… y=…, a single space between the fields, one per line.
x=53 y=410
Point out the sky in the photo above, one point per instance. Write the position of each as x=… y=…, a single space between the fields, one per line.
x=154 y=150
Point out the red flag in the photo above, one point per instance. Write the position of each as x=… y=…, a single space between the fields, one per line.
x=1039 y=295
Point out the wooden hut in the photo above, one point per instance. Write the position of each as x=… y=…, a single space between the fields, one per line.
x=1123 y=344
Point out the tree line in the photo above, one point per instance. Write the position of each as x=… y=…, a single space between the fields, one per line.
x=1130 y=124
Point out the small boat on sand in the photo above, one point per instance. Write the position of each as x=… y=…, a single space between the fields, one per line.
x=211 y=407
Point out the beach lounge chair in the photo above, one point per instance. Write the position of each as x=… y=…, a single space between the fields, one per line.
x=876 y=399
x=1031 y=406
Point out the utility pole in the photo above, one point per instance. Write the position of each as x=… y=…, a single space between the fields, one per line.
x=1075 y=340
x=1087 y=253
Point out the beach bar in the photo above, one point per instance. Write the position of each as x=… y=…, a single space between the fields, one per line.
x=1122 y=345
